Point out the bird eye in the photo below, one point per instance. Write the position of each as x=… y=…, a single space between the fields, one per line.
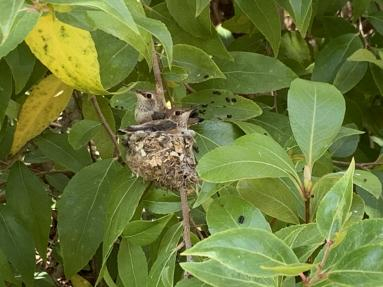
x=148 y=95
x=178 y=113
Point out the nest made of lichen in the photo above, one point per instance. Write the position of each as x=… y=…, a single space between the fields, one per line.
x=164 y=158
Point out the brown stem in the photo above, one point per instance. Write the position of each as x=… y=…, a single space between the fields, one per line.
x=307 y=188
x=3 y=198
x=364 y=35
x=307 y=210
x=157 y=76
x=326 y=252
x=106 y=126
x=200 y=235
x=363 y=165
x=275 y=98
x=186 y=220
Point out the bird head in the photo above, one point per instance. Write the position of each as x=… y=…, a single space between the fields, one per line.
x=146 y=99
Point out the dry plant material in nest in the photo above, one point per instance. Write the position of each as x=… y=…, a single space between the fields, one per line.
x=163 y=157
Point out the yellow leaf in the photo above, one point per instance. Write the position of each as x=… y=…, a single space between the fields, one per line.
x=44 y=104
x=78 y=281
x=68 y=52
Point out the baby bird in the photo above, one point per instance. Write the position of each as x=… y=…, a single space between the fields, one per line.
x=148 y=107
x=177 y=122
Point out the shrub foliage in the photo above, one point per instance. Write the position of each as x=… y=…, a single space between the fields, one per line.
x=289 y=152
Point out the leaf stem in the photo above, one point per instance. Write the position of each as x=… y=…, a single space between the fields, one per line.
x=108 y=129
x=307 y=187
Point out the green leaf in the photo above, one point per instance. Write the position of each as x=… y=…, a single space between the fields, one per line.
x=17 y=244
x=272 y=196
x=349 y=75
x=24 y=22
x=82 y=132
x=82 y=213
x=300 y=11
x=160 y=31
x=200 y=6
x=208 y=189
x=216 y=274
x=212 y=45
x=373 y=206
x=234 y=212
x=249 y=128
x=9 y=10
x=115 y=9
x=265 y=16
x=184 y=13
x=21 y=62
x=162 y=270
x=6 y=273
x=258 y=249
x=132 y=266
x=222 y=104
x=57 y=181
x=196 y=62
x=28 y=198
x=101 y=138
x=332 y=56
x=161 y=201
x=358 y=8
x=117 y=59
x=356 y=210
x=144 y=232
x=316 y=112
x=363 y=266
x=334 y=207
x=377 y=75
x=191 y=282
x=6 y=89
x=252 y=73
x=363 y=233
x=376 y=19
x=251 y=156
x=344 y=147
x=57 y=148
x=304 y=239
x=139 y=41
x=211 y=134
x=277 y=125
x=365 y=55
x=290 y=269
x=369 y=182
x=123 y=202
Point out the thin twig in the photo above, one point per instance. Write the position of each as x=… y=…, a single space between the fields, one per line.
x=275 y=105
x=186 y=220
x=364 y=35
x=157 y=76
x=319 y=274
x=102 y=118
x=200 y=235
x=364 y=165
x=3 y=198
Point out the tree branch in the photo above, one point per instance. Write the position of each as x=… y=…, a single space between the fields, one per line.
x=108 y=129
x=186 y=220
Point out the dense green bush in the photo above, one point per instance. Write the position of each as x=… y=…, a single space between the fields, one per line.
x=289 y=152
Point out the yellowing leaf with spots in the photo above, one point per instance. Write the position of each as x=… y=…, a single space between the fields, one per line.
x=44 y=104
x=68 y=52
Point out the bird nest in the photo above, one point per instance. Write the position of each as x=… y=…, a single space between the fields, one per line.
x=164 y=158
